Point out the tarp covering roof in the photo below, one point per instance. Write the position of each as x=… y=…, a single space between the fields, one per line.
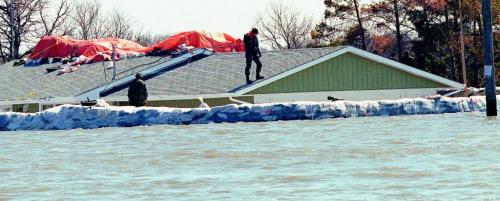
x=96 y=50
x=219 y=42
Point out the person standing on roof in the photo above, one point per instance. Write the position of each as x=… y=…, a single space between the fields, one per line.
x=252 y=53
x=137 y=92
x=407 y=59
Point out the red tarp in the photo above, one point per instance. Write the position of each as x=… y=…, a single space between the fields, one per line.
x=101 y=49
x=54 y=46
x=65 y=46
x=219 y=42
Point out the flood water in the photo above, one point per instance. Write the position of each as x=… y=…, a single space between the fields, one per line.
x=432 y=157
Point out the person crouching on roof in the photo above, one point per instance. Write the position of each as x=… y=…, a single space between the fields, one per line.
x=137 y=92
x=252 y=53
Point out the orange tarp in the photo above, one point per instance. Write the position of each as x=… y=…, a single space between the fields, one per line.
x=219 y=42
x=101 y=49
x=65 y=46
x=54 y=46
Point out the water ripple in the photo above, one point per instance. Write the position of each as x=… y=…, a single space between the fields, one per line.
x=432 y=157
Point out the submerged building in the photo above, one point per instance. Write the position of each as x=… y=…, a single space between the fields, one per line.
x=290 y=75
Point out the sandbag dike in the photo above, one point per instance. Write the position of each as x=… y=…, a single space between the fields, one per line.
x=72 y=117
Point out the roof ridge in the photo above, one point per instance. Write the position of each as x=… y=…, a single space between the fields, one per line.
x=287 y=50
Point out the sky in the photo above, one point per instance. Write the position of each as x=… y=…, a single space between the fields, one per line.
x=235 y=17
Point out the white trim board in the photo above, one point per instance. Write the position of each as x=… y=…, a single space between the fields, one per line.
x=360 y=53
x=172 y=97
x=49 y=101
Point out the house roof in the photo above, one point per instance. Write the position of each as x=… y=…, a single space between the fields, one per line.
x=20 y=83
x=224 y=72
x=358 y=52
x=221 y=73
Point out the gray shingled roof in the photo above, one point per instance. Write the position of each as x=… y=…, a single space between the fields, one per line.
x=17 y=83
x=224 y=72
x=219 y=73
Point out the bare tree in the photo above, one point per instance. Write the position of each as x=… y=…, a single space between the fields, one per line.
x=88 y=20
x=148 y=39
x=18 y=21
x=59 y=23
x=120 y=26
x=284 y=27
x=100 y=29
x=24 y=22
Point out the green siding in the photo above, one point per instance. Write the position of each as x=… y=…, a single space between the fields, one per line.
x=193 y=103
x=32 y=108
x=345 y=73
x=46 y=107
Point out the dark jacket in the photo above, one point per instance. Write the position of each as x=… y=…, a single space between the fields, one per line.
x=137 y=92
x=408 y=60
x=251 y=44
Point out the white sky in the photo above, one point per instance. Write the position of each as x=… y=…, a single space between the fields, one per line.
x=235 y=17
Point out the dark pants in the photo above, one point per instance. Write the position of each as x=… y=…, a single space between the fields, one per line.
x=137 y=103
x=256 y=59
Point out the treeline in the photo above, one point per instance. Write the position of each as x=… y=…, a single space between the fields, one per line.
x=24 y=22
x=421 y=33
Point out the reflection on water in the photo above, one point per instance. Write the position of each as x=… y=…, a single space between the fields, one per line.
x=445 y=157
